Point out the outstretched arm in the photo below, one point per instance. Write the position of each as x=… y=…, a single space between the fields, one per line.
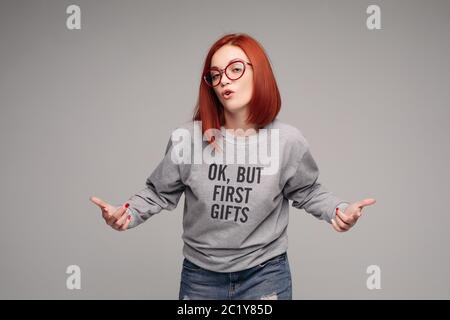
x=163 y=190
x=306 y=192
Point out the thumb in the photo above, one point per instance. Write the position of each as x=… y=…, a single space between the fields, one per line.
x=366 y=202
x=358 y=212
x=99 y=202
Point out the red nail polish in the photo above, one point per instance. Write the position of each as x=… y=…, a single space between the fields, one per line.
x=127 y=205
x=129 y=217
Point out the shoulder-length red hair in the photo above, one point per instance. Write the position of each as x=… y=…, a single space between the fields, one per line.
x=265 y=102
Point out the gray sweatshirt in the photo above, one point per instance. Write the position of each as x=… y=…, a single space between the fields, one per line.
x=236 y=212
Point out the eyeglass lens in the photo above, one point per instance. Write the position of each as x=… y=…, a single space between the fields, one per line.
x=233 y=71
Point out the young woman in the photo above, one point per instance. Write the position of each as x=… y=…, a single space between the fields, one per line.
x=236 y=195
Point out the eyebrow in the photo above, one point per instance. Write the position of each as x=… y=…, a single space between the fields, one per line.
x=236 y=59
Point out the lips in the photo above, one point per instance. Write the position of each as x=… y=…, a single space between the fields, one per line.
x=226 y=94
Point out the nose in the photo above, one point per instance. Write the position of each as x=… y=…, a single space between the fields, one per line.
x=224 y=79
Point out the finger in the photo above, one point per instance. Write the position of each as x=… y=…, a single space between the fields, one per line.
x=117 y=214
x=105 y=213
x=335 y=226
x=115 y=227
x=345 y=218
x=366 y=202
x=119 y=222
x=102 y=204
x=125 y=225
x=342 y=224
x=358 y=214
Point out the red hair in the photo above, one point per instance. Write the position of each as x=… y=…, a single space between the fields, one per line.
x=265 y=102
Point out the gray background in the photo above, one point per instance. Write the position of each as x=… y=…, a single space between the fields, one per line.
x=89 y=112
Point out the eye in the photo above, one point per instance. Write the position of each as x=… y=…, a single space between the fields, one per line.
x=236 y=68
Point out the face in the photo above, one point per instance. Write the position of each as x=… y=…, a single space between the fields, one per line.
x=242 y=87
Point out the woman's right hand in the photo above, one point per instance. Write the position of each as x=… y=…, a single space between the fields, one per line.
x=117 y=218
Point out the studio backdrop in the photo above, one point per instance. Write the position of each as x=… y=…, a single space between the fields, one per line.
x=91 y=90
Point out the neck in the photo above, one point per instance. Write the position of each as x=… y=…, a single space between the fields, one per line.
x=237 y=120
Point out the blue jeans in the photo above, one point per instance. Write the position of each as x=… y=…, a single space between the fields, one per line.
x=269 y=280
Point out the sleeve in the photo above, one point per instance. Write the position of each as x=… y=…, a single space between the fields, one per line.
x=306 y=192
x=163 y=190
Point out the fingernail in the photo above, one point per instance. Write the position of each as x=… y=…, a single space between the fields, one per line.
x=129 y=217
x=127 y=205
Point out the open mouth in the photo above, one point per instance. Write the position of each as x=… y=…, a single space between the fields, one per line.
x=227 y=94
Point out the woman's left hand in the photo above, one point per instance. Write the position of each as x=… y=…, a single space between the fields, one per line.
x=345 y=220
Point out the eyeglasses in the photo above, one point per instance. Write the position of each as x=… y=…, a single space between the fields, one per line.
x=234 y=70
